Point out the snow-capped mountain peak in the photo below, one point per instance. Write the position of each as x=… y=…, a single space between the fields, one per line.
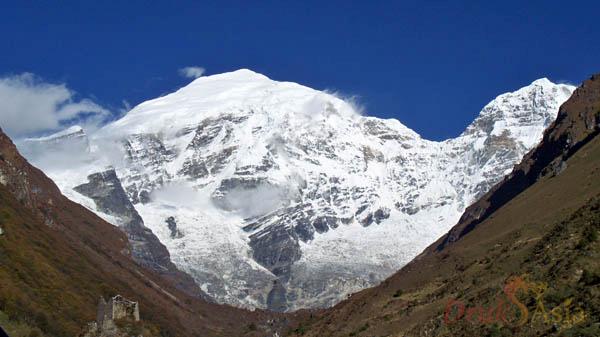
x=240 y=92
x=544 y=81
x=242 y=74
x=523 y=113
x=273 y=194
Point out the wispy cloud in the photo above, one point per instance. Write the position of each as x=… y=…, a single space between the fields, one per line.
x=29 y=106
x=192 y=72
x=353 y=100
x=567 y=82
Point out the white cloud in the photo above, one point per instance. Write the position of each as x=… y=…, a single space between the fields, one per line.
x=353 y=100
x=192 y=72
x=29 y=106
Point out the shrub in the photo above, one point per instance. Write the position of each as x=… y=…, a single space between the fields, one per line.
x=34 y=333
x=589 y=278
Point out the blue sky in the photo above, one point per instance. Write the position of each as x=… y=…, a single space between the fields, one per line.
x=432 y=66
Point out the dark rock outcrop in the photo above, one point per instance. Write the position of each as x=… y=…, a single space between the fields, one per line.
x=172 y=224
x=148 y=154
x=110 y=198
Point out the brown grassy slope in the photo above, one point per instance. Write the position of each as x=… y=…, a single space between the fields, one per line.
x=57 y=258
x=548 y=228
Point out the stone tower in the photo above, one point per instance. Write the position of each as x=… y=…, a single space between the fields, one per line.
x=108 y=312
x=117 y=308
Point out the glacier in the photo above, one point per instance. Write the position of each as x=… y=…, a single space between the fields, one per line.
x=277 y=196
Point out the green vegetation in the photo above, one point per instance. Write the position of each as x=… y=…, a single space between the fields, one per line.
x=251 y=327
x=363 y=328
x=301 y=330
x=16 y=328
x=583 y=331
x=139 y=328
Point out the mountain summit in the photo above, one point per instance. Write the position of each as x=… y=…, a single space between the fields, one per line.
x=275 y=195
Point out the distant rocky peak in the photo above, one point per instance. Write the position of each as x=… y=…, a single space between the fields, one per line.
x=74 y=130
x=521 y=114
x=59 y=149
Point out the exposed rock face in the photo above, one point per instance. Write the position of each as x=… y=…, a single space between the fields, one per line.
x=110 y=198
x=284 y=197
x=172 y=224
x=106 y=190
x=148 y=151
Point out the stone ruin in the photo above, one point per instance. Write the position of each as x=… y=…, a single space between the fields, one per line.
x=116 y=308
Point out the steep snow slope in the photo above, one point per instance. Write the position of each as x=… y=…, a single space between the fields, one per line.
x=272 y=194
